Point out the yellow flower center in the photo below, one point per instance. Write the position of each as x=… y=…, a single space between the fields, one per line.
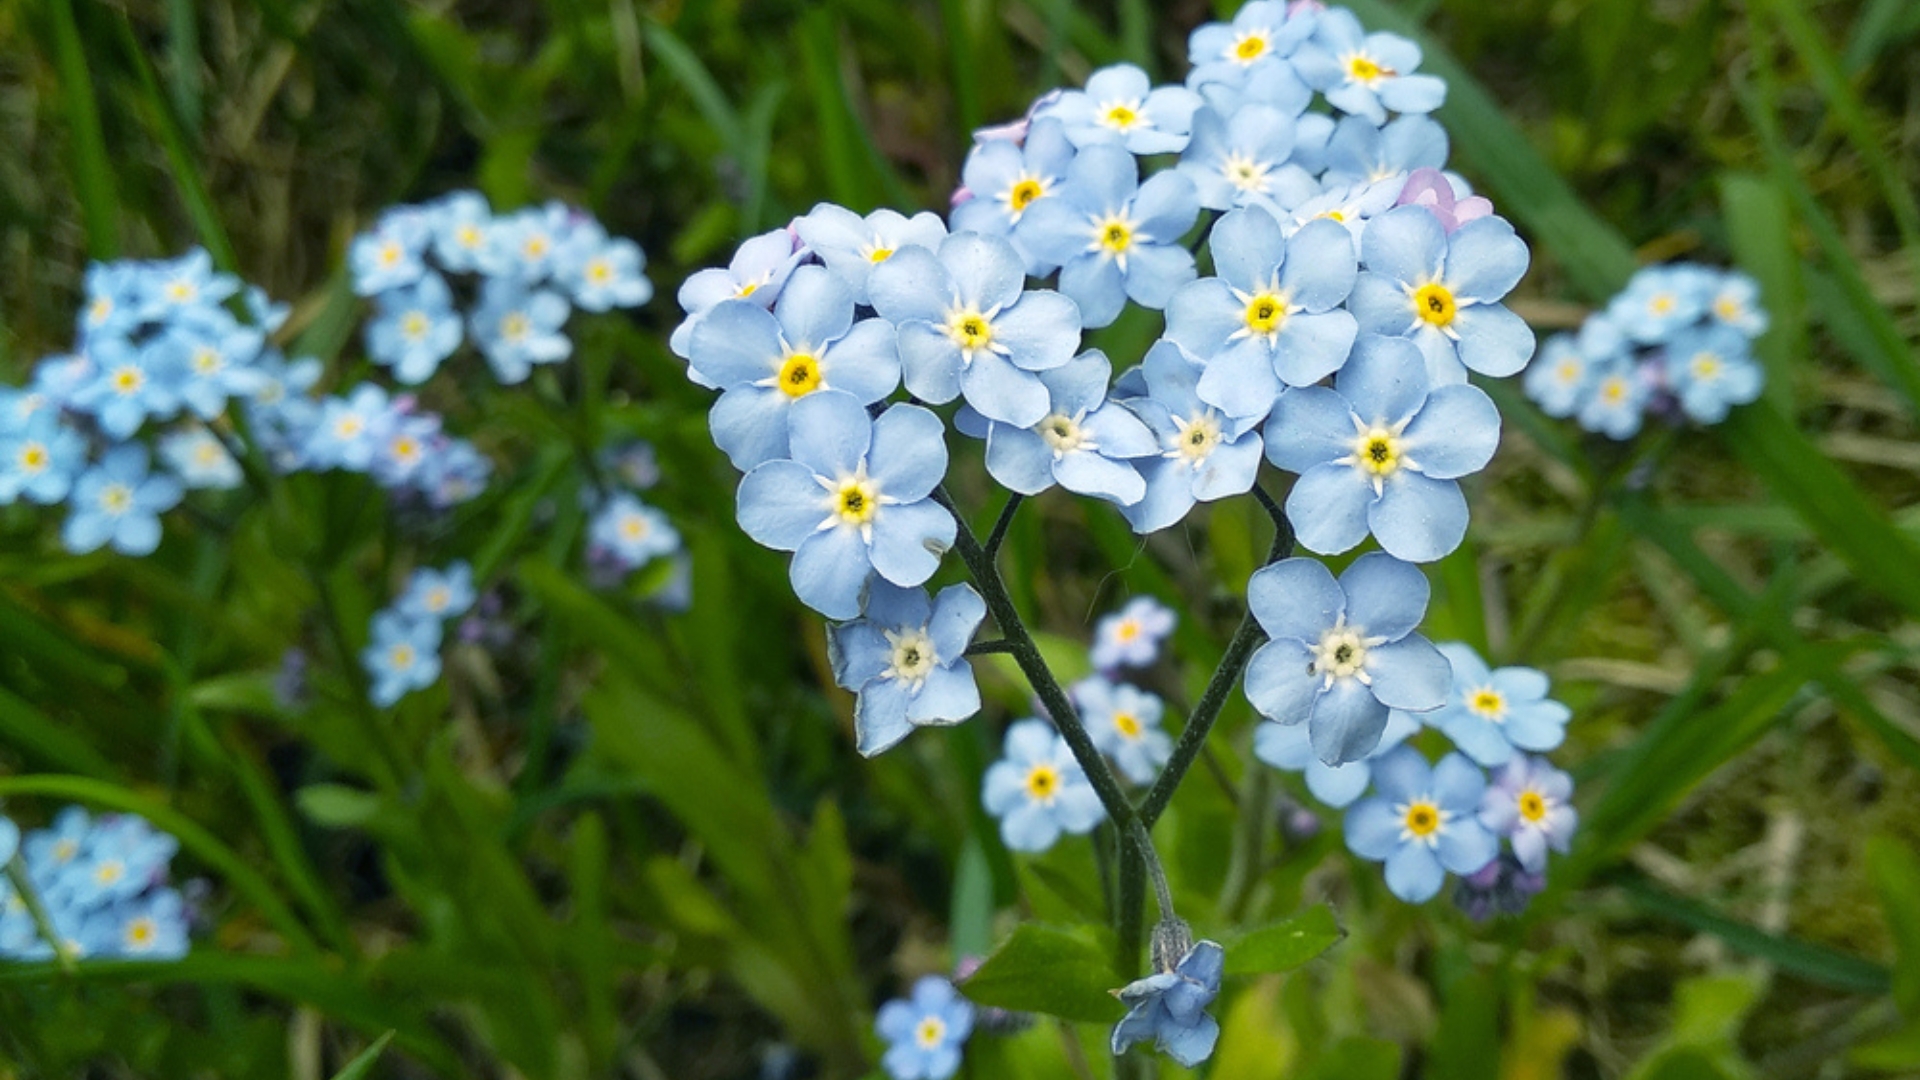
x=913 y=656
x=1533 y=807
x=1422 y=819
x=1116 y=235
x=400 y=656
x=1196 y=438
x=799 y=375
x=1705 y=366
x=438 y=598
x=389 y=253
x=1120 y=115
x=468 y=236
x=33 y=457
x=1662 y=303
x=1128 y=630
x=1061 y=434
x=1567 y=372
x=128 y=380
x=1362 y=68
x=1024 y=191
x=405 y=448
x=65 y=850
x=206 y=361
x=1727 y=308
x=1488 y=703
x=1335 y=216
x=181 y=291
x=1435 y=306
x=1127 y=724
x=970 y=330
x=535 y=247
x=746 y=289
x=599 y=272
x=1341 y=654
x=633 y=527
x=930 y=1033
x=100 y=309
x=1613 y=390
x=1251 y=46
x=879 y=253
x=116 y=499
x=414 y=325
x=141 y=932
x=348 y=427
x=1042 y=782
x=109 y=872
x=1377 y=452
x=514 y=326
x=1266 y=313
x=856 y=500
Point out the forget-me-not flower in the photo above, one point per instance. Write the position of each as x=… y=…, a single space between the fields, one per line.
x=1124 y=723
x=1529 y=804
x=630 y=533
x=1113 y=237
x=1260 y=38
x=390 y=255
x=402 y=655
x=1169 y=1007
x=416 y=328
x=1492 y=712
x=1736 y=303
x=199 y=459
x=1121 y=106
x=1204 y=454
x=1085 y=443
x=1341 y=653
x=1002 y=179
x=130 y=384
x=1038 y=790
x=1131 y=637
x=1234 y=159
x=906 y=660
x=1658 y=301
x=1366 y=74
x=1290 y=747
x=39 y=457
x=438 y=594
x=1362 y=153
x=924 y=1032
x=758 y=272
x=1381 y=452
x=457 y=226
x=118 y=502
x=1709 y=370
x=1443 y=291
x=968 y=325
x=1616 y=401
x=1562 y=377
x=852 y=246
x=1422 y=822
x=852 y=501
x=517 y=328
x=601 y=272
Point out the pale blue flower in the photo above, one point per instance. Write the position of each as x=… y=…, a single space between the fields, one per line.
x=1121 y=106
x=1169 y=1007
x=39 y=458
x=1616 y=400
x=1084 y=443
x=178 y=289
x=1423 y=822
x=130 y=385
x=516 y=328
x=853 y=501
x=1273 y=314
x=1380 y=452
x=924 y=1032
x=1290 y=747
x=112 y=305
x=758 y=272
x=402 y=655
x=118 y=502
x=1113 y=237
x=630 y=533
x=968 y=325
x=601 y=272
x=438 y=594
x=1491 y=713
x=1366 y=74
x=390 y=256
x=1709 y=370
x=1238 y=157
x=1258 y=40
x=1002 y=179
x=199 y=459
x=349 y=431
x=1204 y=454
x=457 y=224
x=1443 y=291
x=1038 y=790
x=905 y=658
x=416 y=328
x=1124 y=723
x=216 y=361
x=524 y=246
x=1659 y=300
x=1351 y=206
x=1561 y=378
x=1342 y=653
x=1361 y=152
x=1131 y=637
x=1736 y=303
x=1530 y=803
x=852 y=246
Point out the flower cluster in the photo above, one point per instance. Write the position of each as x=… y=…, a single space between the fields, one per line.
x=625 y=533
x=925 y=1031
x=403 y=650
x=1426 y=820
x=532 y=268
x=1676 y=341
x=102 y=885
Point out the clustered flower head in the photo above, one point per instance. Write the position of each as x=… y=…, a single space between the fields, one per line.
x=102 y=884
x=1677 y=341
x=403 y=650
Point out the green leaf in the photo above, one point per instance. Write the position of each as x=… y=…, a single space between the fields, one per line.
x=971 y=914
x=1896 y=875
x=363 y=1064
x=1759 y=222
x=1285 y=945
x=92 y=169
x=1898 y=1052
x=1045 y=970
x=1357 y=1058
x=1812 y=962
x=335 y=806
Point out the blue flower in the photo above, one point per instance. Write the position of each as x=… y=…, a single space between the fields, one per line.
x=1491 y=713
x=1423 y=822
x=1113 y=237
x=216 y=361
x=967 y=325
x=1529 y=802
x=39 y=457
x=1169 y=1007
x=1259 y=39
x=1290 y=748
x=112 y=306
x=1380 y=452
x=1561 y=378
x=390 y=256
x=452 y=474
x=416 y=328
x=101 y=881
x=906 y=659
x=1124 y=722
x=1736 y=303
x=350 y=430
x=1234 y=159
x=924 y=1032
x=402 y=655
x=457 y=225
x=1038 y=790
x=523 y=247
x=516 y=328
x=1121 y=106
x=438 y=594
x=1443 y=291
x=1351 y=206
x=1084 y=442
x=9 y=840
x=852 y=246
x=1342 y=653
x=1660 y=300
x=1616 y=400
x=1366 y=74
x=179 y=289
x=758 y=272
x=150 y=927
x=630 y=532
x=1203 y=455
x=1709 y=370
x=130 y=384
x=199 y=459
x=1003 y=178
x=1273 y=316
x=766 y=363
x=1131 y=637
x=117 y=502
x=602 y=273
x=1361 y=152
x=853 y=501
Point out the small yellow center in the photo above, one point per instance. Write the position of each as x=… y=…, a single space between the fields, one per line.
x=65 y=850
x=348 y=427
x=469 y=236
x=206 y=361
x=400 y=656
x=879 y=253
x=1488 y=703
x=33 y=457
x=599 y=272
x=856 y=501
x=1705 y=366
x=100 y=309
x=1435 y=306
x=1042 y=782
x=1362 y=68
x=633 y=527
x=535 y=247
x=1533 y=807
x=1422 y=819
x=1115 y=235
x=206 y=454
x=1024 y=191
x=1662 y=303
x=1341 y=654
x=414 y=325
x=141 y=932
x=405 y=448
x=1129 y=629
x=116 y=499
x=514 y=326
x=438 y=598
x=1335 y=216
x=128 y=380
x=1120 y=115
x=389 y=253
x=1061 y=434
x=970 y=330
x=913 y=655
x=1127 y=724
x=1196 y=438
x=1727 y=308
x=1377 y=452
x=1613 y=390
x=799 y=375
x=1567 y=372
x=746 y=289
x=1252 y=46
x=1266 y=312
x=181 y=291
x=109 y=872
x=930 y=1033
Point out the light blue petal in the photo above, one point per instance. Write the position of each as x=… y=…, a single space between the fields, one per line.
x=1096 y=284
x=1283 y=746
x=1119 y=433
x=1309 y=427
x=1381 y=305
x=1240 y=381
x=1456 y=432
x=137 y=534
x=1346 y=723
x=1040 y=332
x=780 y=504
x=1328 y=507
x=949 y=696
x=749 y=423
x=1409 y=674
x=1003 y=788
x=957 y=614
x=1202 y=315
x=986 y=270
x=1311 y=347
x=1321 y=266
x=1168 y=497
x=736 y=342
x=909 y=455
x=829 y=569
x=1338 y=785
x=1247 y=248
x=1458 y=784
x=1493 y=340
x=1407 y=244
x=1401 y=774
x=814 y=308
x=1166 y=207
x=930 y=363
x=1078 y=807
x=866 y=362
x=1296 y=599
x=1002 y=392
x=1417 y=518
x=1229 y=470
x=1029 y=828
x=1468 y=669
x=909 y=540
x=1538 y=726
x=912 y=286
x=1385 y=379
x=1373 y=829
x=880 y=717
x=1156 y=271
x=1414 y=93
x=1414 y=874
x=1386 y=596
x=1087 y=473
x=1278 y=683
x=1466 y=847
x=1485 y=260
x=1484 y=742
x=1190 y=1045
x=829 y=432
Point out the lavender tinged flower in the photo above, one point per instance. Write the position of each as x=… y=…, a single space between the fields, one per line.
x=1528 y=803
x=1169 y=1007
x=906 y=659
x=1490 y=713
x=1502 y=887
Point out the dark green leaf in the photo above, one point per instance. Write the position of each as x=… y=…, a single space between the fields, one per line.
x=1896 y=874
x=1044 y=970
x=1284 y=945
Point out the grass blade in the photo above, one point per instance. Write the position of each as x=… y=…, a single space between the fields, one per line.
x=92 y=173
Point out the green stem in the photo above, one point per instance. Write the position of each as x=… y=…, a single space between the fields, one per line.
x=42 y=922
x=1000 y=526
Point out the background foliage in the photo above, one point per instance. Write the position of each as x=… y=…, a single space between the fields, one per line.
x=639 y=844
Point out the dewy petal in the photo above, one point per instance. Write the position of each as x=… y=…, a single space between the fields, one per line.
x=1493 y=340
x=1247 y=248
x=1456 y=432
x=1414 y=874
x=1485 y=260
x=816 y=307
x=1087 y=473
x=910 y=286
x=909 y=540
x=986 y=270
x=1098 y=286
x=1346 y=723
x=828 y=570
x=1278 y=682
x=1165 y=207
x=1321 y=266
x=830 y=432
x=1385 y=596
x=1380 y=305
x=999 y=391
x=1297 y=599
x=1417 y=518
x=781 y=504
x=1311 y=347
x=1373 y=829
x=1329 y=508
x=1040 y=332
x=1410 y=674
x=1407 y=244
x=909 y=455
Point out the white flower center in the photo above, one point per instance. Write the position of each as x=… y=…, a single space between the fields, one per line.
x=913 y=656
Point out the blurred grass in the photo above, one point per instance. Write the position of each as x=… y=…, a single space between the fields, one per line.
x=1708 y=621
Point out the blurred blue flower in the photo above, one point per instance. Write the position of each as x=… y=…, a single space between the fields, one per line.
x=1121 y=106
x=968 y=325
x=1131 y=637
x=199 y=459
x=416 y=328
x=1203 y=454
x=178 y=289
x=1342 y=653
x=1085 y=442
x=924 y=1032
x=1422 y=822
x=438 y=594
x=767 y=362
x=1290 y=747
x=457 y=225
x=1113 y=237
x=1038 y=790
x=905 y=658
x=39 y=457
x=1660 y=300
x=600 y=272
x=129 y=385
x=1736 y=304
x=102 y=884
x=402 y=655
x=1616 y=400
x=852 y=246
x=349 y=430
x=516 y=328
x=854 y=500
x=118 y=502
x=630 y=532
x=1169 y=1007
x=215 y=361
x=1709 y=370
x=1561 y=378
x=1124 y=722
x=1381 y=453
x=522 y=247
x=1492 y=712
x=1273 y=314
x=1529 y=803
x=1365 y=74
x=1443 y=291
x=389 y=256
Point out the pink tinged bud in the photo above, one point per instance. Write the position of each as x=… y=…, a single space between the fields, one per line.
x=1015 y=132
x=961 y=194
x=1298 y=7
